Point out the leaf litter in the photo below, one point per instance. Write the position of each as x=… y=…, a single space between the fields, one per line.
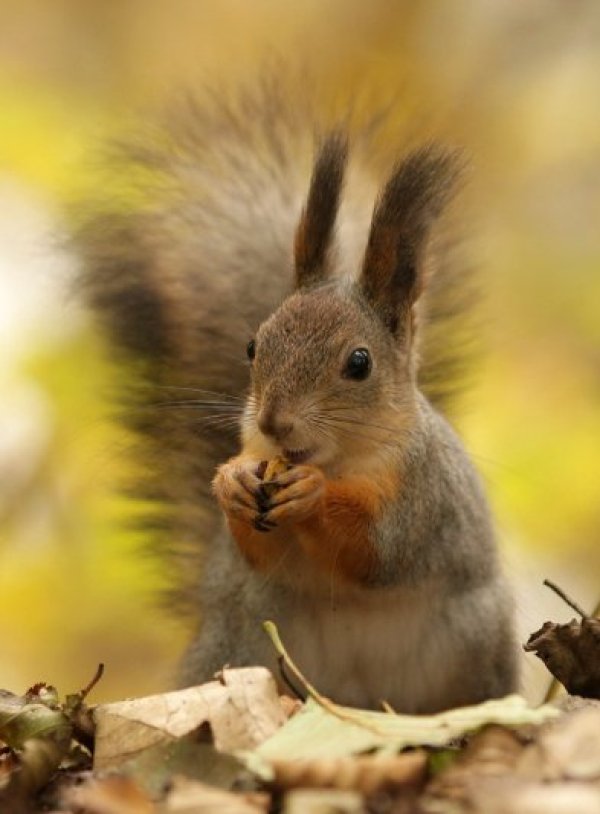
x=234 y=745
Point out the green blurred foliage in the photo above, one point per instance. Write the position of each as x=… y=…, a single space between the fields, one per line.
x=517 y=84
x=74 y=575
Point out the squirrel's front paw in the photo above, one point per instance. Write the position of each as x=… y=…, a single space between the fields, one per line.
x=237 y=487
x=298 y=495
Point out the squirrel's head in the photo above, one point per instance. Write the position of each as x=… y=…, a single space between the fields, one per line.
x=332 y=369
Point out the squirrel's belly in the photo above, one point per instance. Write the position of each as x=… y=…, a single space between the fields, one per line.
x=375 y=648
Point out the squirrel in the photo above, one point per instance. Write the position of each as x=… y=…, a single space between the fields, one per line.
x=370 y=543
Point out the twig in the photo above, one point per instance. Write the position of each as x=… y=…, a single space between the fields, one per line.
x=288 y=681
x=97 y=676
x=553 y=691
x=565 y=598
x=345 y=713
x=272 y=632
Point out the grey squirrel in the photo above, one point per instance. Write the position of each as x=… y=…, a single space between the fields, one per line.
x=370 y=542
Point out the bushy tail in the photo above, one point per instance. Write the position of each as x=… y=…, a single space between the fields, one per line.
x=185 y=267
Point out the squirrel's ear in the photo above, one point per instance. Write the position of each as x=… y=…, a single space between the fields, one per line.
x=315 y=230
x=414 y=196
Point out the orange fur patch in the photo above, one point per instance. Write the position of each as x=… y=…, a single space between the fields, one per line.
x=261 y=549
x=339 y=539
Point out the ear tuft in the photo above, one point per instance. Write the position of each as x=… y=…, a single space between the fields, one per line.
x=315 y=231
x=414 y=196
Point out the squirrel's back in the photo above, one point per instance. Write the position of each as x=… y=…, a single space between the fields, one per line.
x=183 y=277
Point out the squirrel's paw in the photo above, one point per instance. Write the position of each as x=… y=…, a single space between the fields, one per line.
x=299 y=495
x=237 y=488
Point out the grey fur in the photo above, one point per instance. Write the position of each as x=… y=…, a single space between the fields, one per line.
x=431 y=629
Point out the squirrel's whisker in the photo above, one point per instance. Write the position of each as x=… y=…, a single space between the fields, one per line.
x=195 y=405
x=338 y=422
x=336 y=427
x=219 y=394
x=218 y=421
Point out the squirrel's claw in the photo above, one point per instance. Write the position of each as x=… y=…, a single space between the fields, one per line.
x=263 y=500
x=300 y=497
x=261 y=523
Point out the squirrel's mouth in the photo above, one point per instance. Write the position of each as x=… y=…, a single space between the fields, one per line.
x=298 y=456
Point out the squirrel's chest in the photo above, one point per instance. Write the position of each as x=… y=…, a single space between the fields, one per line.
x=372 y=649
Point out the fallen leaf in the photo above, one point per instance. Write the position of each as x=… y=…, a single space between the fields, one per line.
x=492 y=752
x=572 y=654
x=39 y=737
x=37 y=761
x=311 y=801
x=242 y=708
x=569 y=749
x=290 y=705
x=155 y=767
x=109 y=795
x=509 y=796
x=365 y=773
x=497 y=773
x=22 y=719
x=192 y=797
x=318 y=732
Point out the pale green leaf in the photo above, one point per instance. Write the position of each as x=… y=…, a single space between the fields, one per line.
x=316 y=731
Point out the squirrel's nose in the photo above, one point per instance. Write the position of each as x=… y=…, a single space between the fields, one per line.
x=273 y=424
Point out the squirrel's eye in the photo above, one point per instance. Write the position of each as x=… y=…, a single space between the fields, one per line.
x=251 y=349
x=358 y=365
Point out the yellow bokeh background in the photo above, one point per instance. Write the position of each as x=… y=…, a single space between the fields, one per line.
x=517 y=84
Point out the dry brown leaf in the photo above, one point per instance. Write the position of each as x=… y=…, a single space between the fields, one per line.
x=24 y=718
x=365 y=773
x=320 y=801
x=195 y=759
x=558 y=773
x=192 y=797
x=109 y=795
x=568 y=749
x=28 y=771
x=290 y=705
x=491 y=753
x=509 y=796
x=242 y=708
x=572 y=654
x=8 y=763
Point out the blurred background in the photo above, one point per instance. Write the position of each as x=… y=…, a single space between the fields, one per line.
x=518 y=84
